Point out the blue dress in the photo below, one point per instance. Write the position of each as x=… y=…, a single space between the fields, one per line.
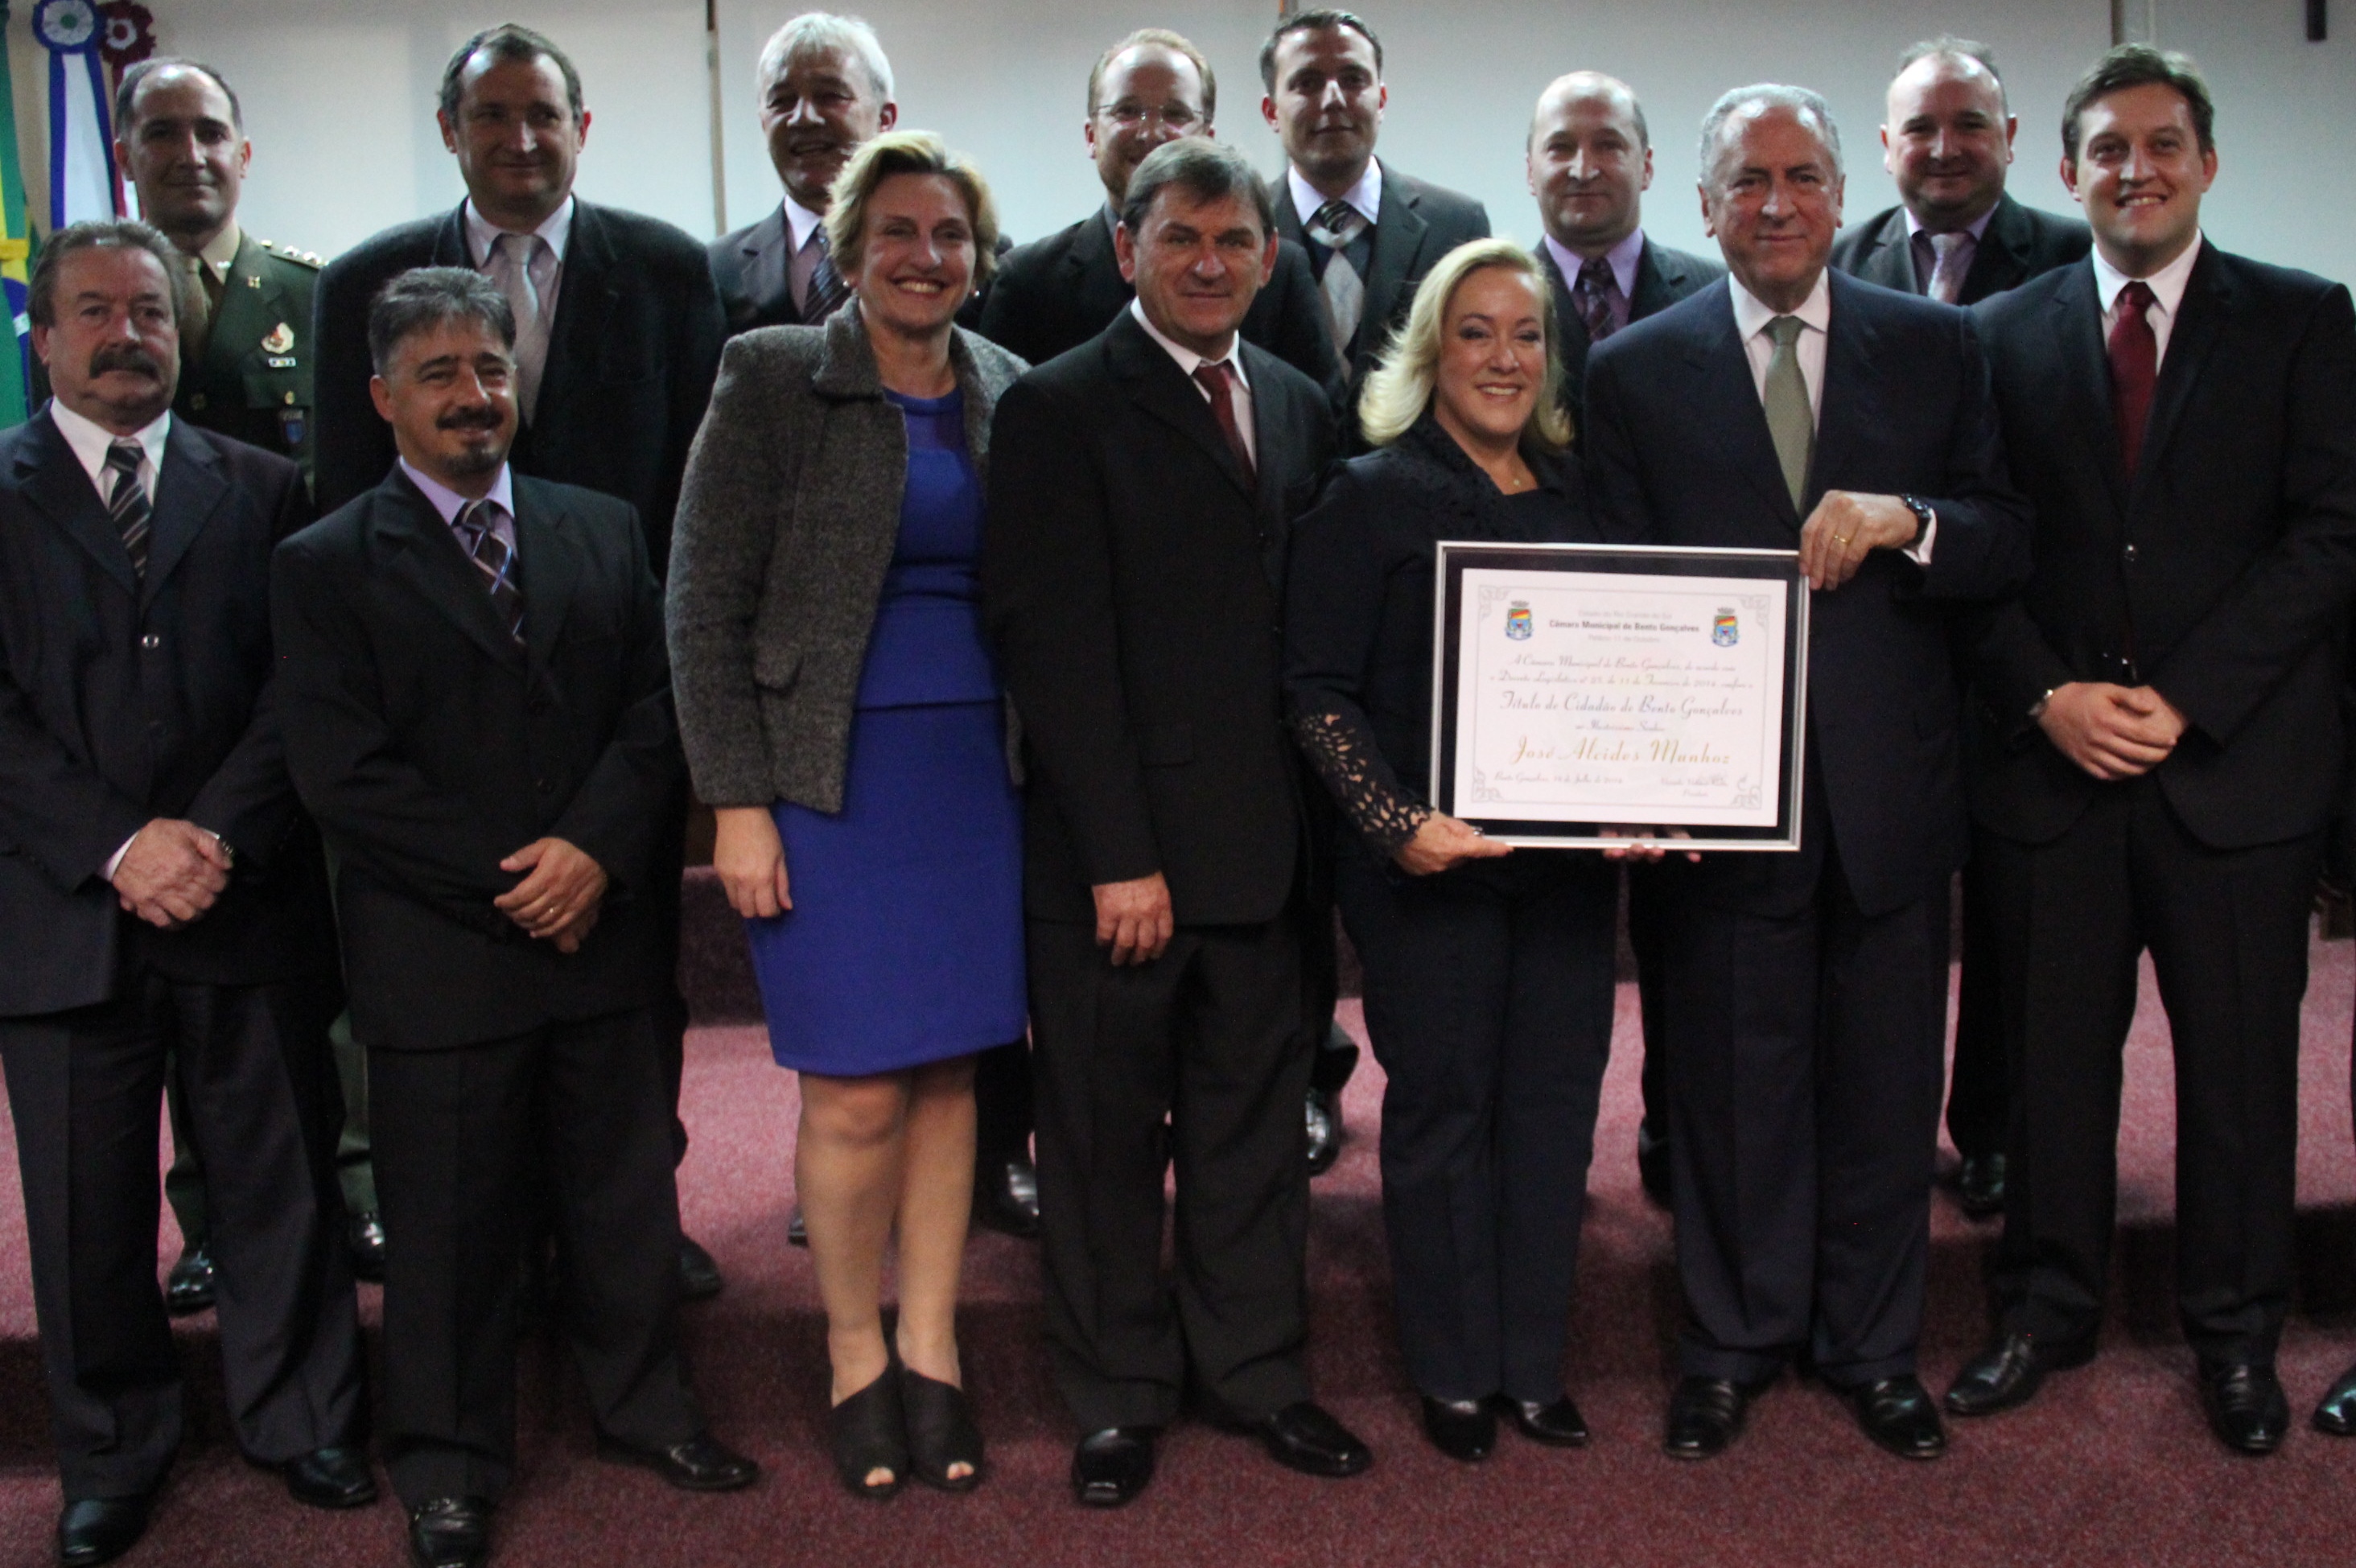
x=905 y=943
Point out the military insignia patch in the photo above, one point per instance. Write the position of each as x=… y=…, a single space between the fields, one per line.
x=281 y=339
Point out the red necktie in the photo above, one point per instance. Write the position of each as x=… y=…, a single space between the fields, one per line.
x=2135 y=367
x=1219 y=381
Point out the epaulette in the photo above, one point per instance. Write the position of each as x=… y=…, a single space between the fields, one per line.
x=288 y=253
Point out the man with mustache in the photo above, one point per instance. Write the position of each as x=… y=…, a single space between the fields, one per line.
x=1956 y=235
x=617 y=343
x=477 y=709
x=163 y=910
x=246 y=373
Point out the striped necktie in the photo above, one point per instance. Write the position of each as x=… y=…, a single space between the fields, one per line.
x=127 y=499
x=1597 y=287
x=476 y=528
x=827 y=288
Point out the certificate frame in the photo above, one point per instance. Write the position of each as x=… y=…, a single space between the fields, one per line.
x=1776 y=571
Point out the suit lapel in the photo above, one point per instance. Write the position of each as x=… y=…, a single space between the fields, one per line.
x=1163 y=391
x=188 y=490
x=425 y=553
x=2001 y=262
x=585 y=296
x=252 y=304
x=2086 y=370
x=450 y=242
x=1852 y=389
x=1399 y=240
x=767 y=269
x=1569 y=326
x=1091 y=271
x=1726 y=399
x=549 y=570
x=2200 y=315
x=55 y=482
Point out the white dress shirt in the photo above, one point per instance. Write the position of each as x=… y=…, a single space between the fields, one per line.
x=1189 y=361
x=1816 y=314
x=91 y=441
x=1366 y=196
x=2167 y=286
x=801 y=256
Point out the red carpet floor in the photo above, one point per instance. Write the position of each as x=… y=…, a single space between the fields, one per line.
x=2110 y=1464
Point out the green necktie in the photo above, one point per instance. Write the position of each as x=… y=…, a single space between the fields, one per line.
x=1790 y=420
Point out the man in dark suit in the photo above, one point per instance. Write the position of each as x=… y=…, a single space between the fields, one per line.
x=477 y=709
x=2158 y=741
x=163 y=908
x=1142 y=492
x=618 y=334
x=1956 y=236
x=1371 y=231
x=1057 y=293
x=1590 y=162
x=1807 y=1003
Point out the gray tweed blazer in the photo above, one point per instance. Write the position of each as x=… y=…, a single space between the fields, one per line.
x=786 y=525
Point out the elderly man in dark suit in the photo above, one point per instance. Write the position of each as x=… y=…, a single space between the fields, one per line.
x=478 y=712
x=2158 y=736
x=1059 y=291
x=1141 y=490
x=164 y=907
x=618 y=342
x=1792 y=407
x=1956 y=235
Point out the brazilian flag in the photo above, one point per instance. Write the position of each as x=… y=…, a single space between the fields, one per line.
x=15 y=251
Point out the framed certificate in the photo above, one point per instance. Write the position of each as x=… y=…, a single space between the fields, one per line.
x=1581 y=687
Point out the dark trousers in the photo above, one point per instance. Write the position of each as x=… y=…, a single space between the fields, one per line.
x=2227 y=934
x=183 y=1183
x=1489 y=996
x=1208 y=1038
x=460 y=1135
x=1807 y=1038
x=1648 y=937
x=1002 y=1111
x=85 y=1088
x=1977 y=1108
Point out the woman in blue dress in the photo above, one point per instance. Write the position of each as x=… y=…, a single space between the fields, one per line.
x=842 y=716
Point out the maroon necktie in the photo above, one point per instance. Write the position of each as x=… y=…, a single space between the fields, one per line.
x=2135 y=369
x=1219 y=381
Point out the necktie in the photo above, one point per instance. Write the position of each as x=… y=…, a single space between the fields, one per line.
x=2135 y=371
x=197 y=324
x=476 y=528
x=1790 y=420
x=1951 y=259
x=827 y=288
x=1595 y=290
x=1336 y=226
x=1219 y=381
x=126 y=500
x=513 y=257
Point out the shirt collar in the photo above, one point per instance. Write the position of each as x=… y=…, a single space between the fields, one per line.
x=482 y=233
x=1622 y=259
x=1976 y=229
x=2166 y=284
x=448 y=502
x=1188 y=360
x=800 y=224
x=221 y=249
x=90 y=440
x=1750 y=317
x=1366 y=196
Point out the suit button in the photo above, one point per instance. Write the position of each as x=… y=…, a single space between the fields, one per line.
x=151 y=642
x=2131 y=555
x=543 y=786
x=197 y=401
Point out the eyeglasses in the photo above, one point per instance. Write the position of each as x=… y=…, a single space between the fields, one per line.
x=1129 y=116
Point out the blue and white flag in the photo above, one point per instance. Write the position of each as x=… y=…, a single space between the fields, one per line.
x=83 y=181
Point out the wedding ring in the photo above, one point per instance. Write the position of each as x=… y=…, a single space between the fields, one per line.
x=1840 y=538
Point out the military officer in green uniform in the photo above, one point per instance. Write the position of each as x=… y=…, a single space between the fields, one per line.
x=245 y=372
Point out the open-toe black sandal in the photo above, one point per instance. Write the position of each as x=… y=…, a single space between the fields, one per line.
x=941 y=1431
x=870 y=1433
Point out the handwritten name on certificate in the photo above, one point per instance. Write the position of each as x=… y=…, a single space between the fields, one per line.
x=1595 y=696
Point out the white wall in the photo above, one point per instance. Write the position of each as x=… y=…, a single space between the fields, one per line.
x=339 y=95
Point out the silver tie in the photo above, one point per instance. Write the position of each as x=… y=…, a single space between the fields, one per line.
x=511 y=269
x=1947 y=277
x=1337 y=226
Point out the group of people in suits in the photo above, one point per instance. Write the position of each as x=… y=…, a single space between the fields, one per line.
x=1048 y=629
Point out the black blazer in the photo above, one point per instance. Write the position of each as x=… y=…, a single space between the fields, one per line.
x=1663 y=278
x=2224 y=569
x=750 y=268
x=429 y=747
x=631 y=359
x=1678 y=454
x=2019 y=243
x=124 y=699
x=1417 y=225
x=1132 y=581
x=1054 y=294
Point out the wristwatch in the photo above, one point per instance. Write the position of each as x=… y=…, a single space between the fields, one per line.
x=1924 y=518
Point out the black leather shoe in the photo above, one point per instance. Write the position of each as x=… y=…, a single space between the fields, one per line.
x=1111 y=1467
x=797 y=1232
x=699 y=1276
x=1980 y=1185
x=1303 y=1437
x=364 y=1235
x=2010 y=1373
x=1653 y=1163
x=1006 y=1198
x=2244 y=1405
x=2336 y=1414
x=700 y=1463
x=1705 y=1415
x=100 y=1529
x=188 y=1288
x=1324 y=1130
x=1559 y=1423
x=331 y=1478
x=1463 y=1429
x=1897 y=1413
x=450 y=1533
